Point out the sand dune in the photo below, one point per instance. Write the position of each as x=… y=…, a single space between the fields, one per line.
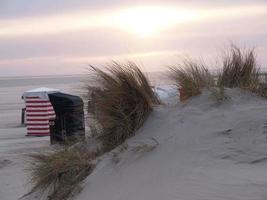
x=204 y=151
x=198 y=149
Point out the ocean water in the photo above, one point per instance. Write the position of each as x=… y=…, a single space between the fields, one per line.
x=12 y=88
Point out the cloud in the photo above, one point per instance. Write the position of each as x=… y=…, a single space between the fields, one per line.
x=133 y=19
x=32 y=8
x=77 y=64
x=50 y=42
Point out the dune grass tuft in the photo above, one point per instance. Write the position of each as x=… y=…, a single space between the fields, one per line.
x=191 y=77
x=58 y=174
x=120 y=103
x=239 y=69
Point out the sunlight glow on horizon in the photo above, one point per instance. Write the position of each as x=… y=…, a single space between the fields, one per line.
x=60 y=63
x=85 y=59
x=147 y=21
x=144 y=21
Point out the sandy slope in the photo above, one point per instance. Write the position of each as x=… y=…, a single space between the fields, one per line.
x=204 y=151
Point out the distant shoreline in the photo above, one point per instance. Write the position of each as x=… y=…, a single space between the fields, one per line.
x=41 y=76
x=56 y=76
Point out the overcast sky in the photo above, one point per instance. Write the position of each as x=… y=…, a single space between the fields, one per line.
x=41 y=37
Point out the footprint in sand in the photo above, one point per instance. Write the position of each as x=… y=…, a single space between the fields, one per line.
x=226 y=132
x=264 y=127
x=264 y=130
x=4 y=163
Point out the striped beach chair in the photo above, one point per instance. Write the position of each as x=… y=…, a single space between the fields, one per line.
x=39 y=111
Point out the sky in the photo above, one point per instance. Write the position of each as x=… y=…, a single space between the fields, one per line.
x=53 y=37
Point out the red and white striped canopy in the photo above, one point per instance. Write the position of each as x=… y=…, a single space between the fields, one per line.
x=39 y=111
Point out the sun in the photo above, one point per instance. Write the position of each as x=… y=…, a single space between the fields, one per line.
x=149 y=21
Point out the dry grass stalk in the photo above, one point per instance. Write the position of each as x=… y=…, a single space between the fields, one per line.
x=191 y=77
x=59 y=173
x=121 y=102
x=240 y=69
x=260 y=89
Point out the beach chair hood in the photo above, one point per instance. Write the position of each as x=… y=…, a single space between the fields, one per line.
x=41 y=92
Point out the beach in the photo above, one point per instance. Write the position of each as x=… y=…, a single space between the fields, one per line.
x=14 y=144
x=198 y=149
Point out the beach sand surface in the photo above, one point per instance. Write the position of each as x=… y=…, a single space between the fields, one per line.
x=14 y=144
x=196 y=150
